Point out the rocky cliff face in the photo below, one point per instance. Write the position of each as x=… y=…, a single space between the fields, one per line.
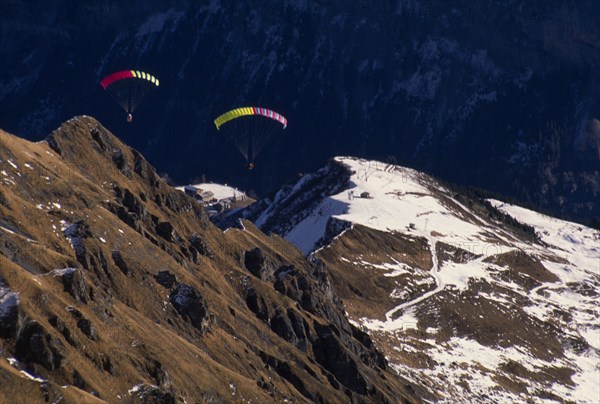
x=115 y=286
x=493 y=94
x=480 y=300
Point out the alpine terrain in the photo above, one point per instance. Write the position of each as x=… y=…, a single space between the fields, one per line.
x=116 y=287
x=475 y=300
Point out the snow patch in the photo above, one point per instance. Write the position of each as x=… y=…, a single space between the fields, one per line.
x=31 y=377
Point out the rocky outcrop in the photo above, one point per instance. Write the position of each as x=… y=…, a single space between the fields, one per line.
x=150 y=394
x=9 y=310
x=166 y=279
x=76 y=233
x=200 y=245
x=190 y=304
x=35 y=345
x=330 y=353
x=257 y=304
x=258 y=264
x=84 y=325
x=120 y=262
x=165 y=230
x=339 y=347
x=74 y=284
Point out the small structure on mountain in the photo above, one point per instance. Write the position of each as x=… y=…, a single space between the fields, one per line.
x=191 y=190
x=365 y=195
x=200 y=194
x=206 y=196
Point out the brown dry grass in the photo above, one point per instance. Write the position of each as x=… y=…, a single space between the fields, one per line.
x=137 y=330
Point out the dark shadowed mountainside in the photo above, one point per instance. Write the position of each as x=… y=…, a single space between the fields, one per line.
x=501 y=95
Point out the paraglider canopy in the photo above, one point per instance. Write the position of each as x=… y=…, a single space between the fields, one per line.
x=249 y=128
x=247 y=111
x=129 y=87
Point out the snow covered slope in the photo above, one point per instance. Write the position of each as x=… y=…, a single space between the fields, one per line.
x=479 y=300
x=220 y=191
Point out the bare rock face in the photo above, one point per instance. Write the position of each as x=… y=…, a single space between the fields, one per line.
x=257 y=304
x=200 y=245
x=165 y=230
x=190 y=304
x=35 y=345
x=331 y=354
x=257 y=263
x=74 y=284
x=84 y=325
x=150 y=394
x=9 y=311
x=76 y=233
x=166 y=279
x=120 y=262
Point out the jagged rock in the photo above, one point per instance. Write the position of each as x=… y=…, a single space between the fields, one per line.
x=78 y=380
x=257 y=304
x=132 y=203
x=284 y=370
x=97 y=262
x=265 y=385
x=301 y=328
x=290 y=282
x=87 y=328
x=166 y=279
x=257 y=263
x=83 y=323
x=118 y=157
x=165 y=230
x=138 y=164
x=9 y=311
x=107 y=365
x=332 y=355
x=35 y=345
x=4 y=201
x=200 y=245
x=160 y=375
x=76 y=233
x=73 y=283
x=128 y=218
x=320 y=275
x=291 y=327
x=95 y=133
x=282 y=326
x=57 y=323
x=370 y=355
x=129 y=208
x=333 y=228
x=53 y=143
x=190 y=304
x=149 y=394
x=120 y=262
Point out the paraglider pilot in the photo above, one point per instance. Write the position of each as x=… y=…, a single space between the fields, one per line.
x=250 y=166
x=129 y=118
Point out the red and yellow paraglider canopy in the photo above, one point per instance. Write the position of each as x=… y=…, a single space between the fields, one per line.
x=249 y=128
x=129 y=87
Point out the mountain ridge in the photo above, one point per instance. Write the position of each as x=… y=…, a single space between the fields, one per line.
x=481 y=299
x=115 y=286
